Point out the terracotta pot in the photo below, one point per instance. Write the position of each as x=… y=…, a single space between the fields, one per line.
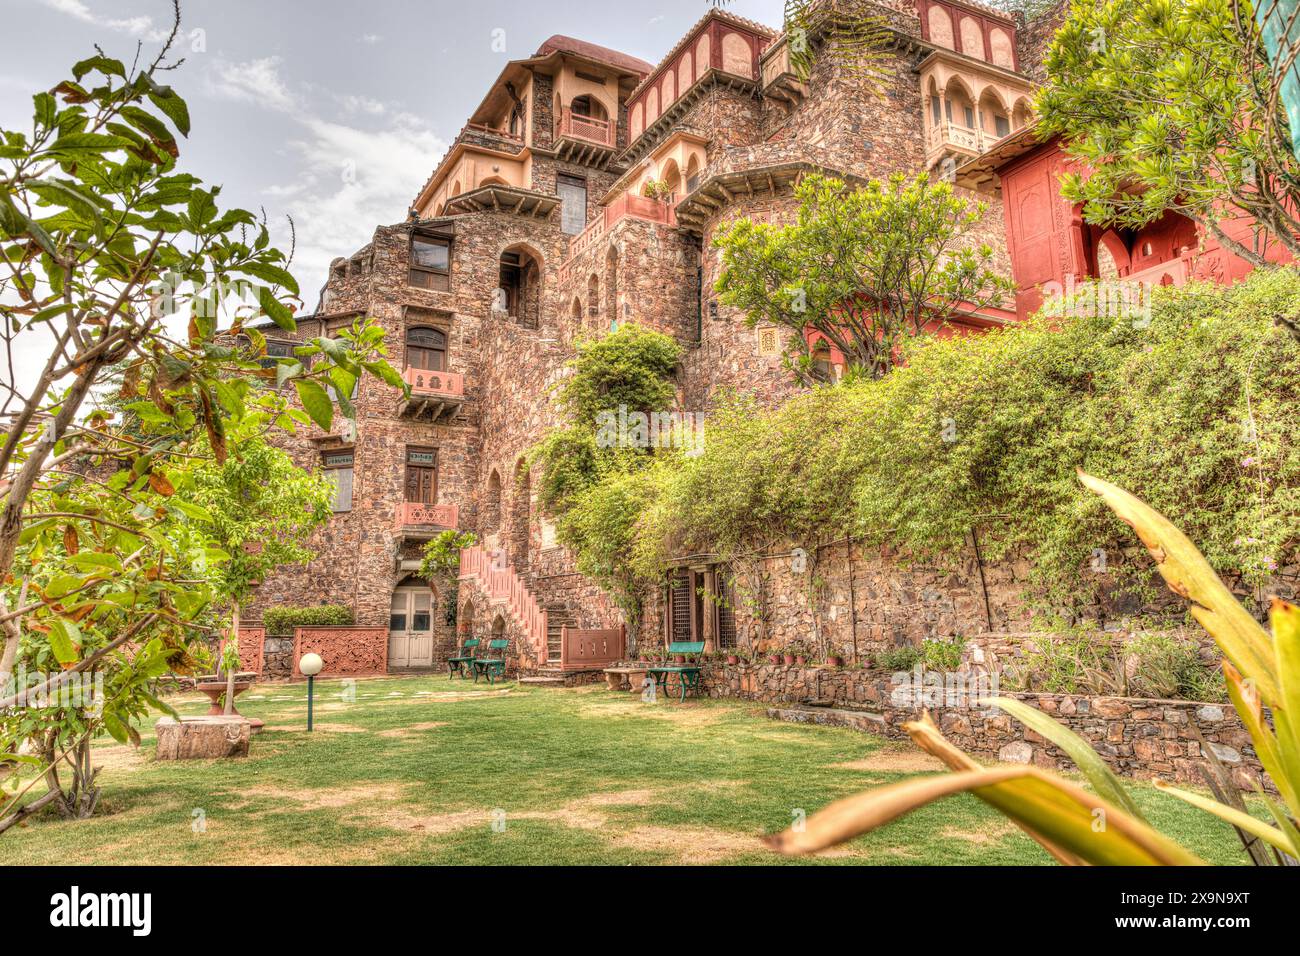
x=800 y=660
x=789 y=660
x=774 y=658
x=679 y=659
x=835 y=661
x=733 y=659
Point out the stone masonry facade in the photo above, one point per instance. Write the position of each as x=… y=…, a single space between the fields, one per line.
x=538 y=228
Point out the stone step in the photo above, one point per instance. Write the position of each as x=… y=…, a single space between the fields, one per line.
x=543 y=680
x=864 y=720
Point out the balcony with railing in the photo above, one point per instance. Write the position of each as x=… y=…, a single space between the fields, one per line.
x=625 y=206
x=952 y=139
x=436 y=395
x=587 y=128
x=416 y=519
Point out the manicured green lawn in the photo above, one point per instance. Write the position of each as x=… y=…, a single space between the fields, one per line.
x=422 y=770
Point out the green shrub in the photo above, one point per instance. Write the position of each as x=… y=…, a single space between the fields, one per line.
x=899 y=658
x=1074 y=662
x=281 y=621
x=1163 y=666
x=942 y=653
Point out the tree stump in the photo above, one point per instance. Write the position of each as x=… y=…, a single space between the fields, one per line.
x=202 y=738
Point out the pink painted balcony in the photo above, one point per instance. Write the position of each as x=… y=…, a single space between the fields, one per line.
x=416 y=517
x=626 y=205
x=434 y=394
x=587 y=128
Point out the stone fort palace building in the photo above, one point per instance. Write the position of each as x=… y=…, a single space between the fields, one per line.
x=537 y=228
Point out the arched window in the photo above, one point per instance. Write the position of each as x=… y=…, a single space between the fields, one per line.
x=589 y=107
x=520 y=291
x=426 y=348
x=520 y=517
x=492 y=504
x=593 y=295
x=576 y=309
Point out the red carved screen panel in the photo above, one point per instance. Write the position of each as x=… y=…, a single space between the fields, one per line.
x=346 y=651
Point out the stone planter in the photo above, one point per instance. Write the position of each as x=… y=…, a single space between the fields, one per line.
x=202 y=738
x=215 y=689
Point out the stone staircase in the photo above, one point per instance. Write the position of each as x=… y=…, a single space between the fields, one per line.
x=557 y=619
x=501 y=585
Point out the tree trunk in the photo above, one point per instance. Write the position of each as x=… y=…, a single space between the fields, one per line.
x=230 y=671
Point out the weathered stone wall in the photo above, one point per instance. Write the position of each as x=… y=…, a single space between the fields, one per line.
x=1137 y=737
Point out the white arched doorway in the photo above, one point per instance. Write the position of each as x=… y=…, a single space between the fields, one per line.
x=410 y=625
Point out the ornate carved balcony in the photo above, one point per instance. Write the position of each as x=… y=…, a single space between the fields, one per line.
x=435 y=395
x=584 y=139
x=779 y=80
x=952 y=139
x=418 y=520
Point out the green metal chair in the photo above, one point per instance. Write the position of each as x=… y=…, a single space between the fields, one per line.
x=463 y=663
x=492 y=667
x=688 y=675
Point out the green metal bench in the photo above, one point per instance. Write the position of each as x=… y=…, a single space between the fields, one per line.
x=491 y=667
x=688 y=675
x=463 y=663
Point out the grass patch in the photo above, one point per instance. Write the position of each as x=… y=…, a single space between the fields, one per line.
x=425 y=770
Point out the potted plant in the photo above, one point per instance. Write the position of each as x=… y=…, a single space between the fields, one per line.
x=733 y=658
x=835 y=660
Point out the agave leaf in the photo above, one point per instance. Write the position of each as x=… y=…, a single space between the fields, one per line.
x=926 y=735
x=1085 y=758
x=1245 y=700
x=1285 y=618
x=1271 y=835
x=1187 y=573
x=1062 y=812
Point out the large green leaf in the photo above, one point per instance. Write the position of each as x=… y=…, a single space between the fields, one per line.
x=316 y=402
x=1085 y=758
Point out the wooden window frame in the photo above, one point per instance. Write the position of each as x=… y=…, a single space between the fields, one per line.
x=407 y=464
x=350 y=466
x=410 y=346
x=427 y=277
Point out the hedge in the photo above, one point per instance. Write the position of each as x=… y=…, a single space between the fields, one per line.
x=281 y=621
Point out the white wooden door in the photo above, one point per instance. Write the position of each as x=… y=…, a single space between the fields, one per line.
x=410 y=628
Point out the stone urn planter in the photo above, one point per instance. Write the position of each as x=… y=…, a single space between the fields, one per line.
x=215 y=688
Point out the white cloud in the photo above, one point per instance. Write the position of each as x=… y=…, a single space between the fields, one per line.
x=253 y=81
x=370 y=39
x=142 y=27
x=352 y=175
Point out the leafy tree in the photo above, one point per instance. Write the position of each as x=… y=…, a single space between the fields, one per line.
x=262 y=508
x=1179 y=98
x=597 y=488
x=865 y=267
x=125 y=265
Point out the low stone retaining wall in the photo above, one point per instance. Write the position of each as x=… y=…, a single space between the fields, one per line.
x=1137 y=737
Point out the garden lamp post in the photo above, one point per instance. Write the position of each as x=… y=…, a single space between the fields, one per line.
x=310 y=665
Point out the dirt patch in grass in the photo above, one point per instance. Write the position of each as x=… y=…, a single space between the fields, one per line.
x=993 y=833
x=119 y=758
x=889 y=760
x=683 y=715
x=328 y=727
x=411 y=729
x=690 y=845
x=330 y=798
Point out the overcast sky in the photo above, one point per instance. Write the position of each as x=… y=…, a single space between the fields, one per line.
x=332 y=112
